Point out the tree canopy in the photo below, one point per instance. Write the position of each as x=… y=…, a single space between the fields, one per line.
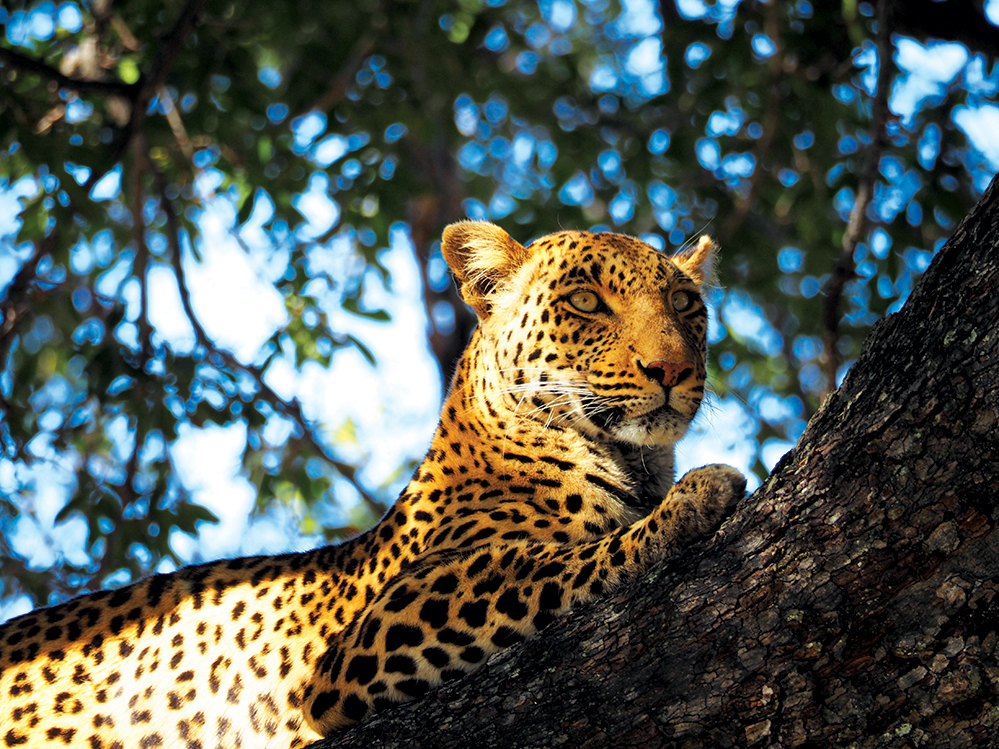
x=829 y=147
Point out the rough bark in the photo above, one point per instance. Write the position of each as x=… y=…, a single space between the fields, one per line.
x=852 y=601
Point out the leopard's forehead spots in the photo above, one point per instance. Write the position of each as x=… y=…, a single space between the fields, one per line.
x=614 y=261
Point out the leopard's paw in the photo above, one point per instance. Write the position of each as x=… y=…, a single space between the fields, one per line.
x=702 y=497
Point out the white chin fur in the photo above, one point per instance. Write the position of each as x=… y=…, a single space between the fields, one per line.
x=640 y=434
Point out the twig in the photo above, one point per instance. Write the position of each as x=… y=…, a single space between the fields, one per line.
x=141 y=248
x=771 y=120
x=128 y=39
x=127 y=497
x=290 y=409
x=16 y=306
x=338 y=86
x=845 y=269
x=177 y=127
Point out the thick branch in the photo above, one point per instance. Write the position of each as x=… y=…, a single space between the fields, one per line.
x=852 y=601
x=20 y=61
x=845 y=268
x=168 y=49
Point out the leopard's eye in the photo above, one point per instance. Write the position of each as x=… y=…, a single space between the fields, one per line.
x=585 y=301
x=682 y=300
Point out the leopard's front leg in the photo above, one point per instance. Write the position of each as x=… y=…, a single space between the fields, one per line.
x=442 y=619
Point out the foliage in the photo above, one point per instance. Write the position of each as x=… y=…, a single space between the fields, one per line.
x=122 y=128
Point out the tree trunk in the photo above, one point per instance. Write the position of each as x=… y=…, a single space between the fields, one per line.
x=852 y=601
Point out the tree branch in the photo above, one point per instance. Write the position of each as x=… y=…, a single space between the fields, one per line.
x=20 y=61
x=338 y=86
x=16 y=306
x=149 y=84
x=39 y=585
x=292 y=409
x=113 y=540
x=427 y=214
x=141 y=248
x=845 y=268
x=177 y=127
x=771 y=119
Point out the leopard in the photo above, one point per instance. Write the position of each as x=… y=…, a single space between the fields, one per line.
x=548 y=483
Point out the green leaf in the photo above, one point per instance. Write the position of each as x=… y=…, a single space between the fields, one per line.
x=190 y=514
x=128 y=69
x=351 y=306
x=245 y=209
x=365 y=351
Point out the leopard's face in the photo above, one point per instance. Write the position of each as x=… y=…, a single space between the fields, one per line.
x=601 y=333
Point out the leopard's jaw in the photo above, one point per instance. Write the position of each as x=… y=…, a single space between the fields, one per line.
x=548 y=482
x=662 y=428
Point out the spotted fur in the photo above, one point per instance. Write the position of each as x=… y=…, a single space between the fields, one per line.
x=549 y=481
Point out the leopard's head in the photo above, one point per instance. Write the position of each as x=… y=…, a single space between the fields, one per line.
x=596 y=332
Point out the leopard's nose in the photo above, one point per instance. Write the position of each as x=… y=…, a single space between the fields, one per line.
x=667 y=374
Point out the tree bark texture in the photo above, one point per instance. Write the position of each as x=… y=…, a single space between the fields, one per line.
x=853 y=601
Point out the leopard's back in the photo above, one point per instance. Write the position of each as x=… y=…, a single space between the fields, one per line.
x=216 y=651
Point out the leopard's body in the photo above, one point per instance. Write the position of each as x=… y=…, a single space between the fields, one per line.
x=548 y=482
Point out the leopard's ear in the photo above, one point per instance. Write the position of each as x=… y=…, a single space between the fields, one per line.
x=698 y=260
x=482 y=256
